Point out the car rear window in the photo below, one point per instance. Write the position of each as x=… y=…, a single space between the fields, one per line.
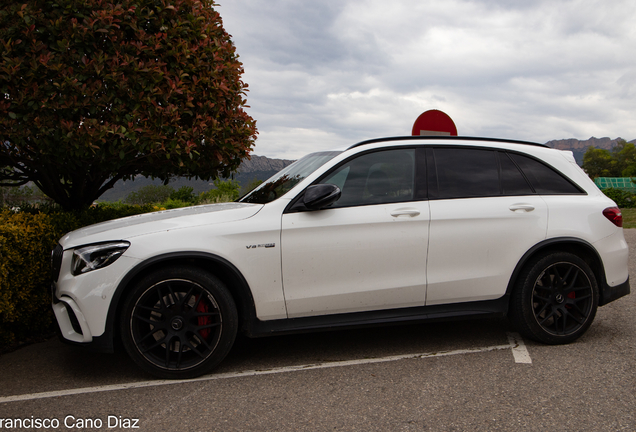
x=544 y=180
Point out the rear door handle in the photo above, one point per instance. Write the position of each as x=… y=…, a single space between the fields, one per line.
x=405 y=212
x=522 y=207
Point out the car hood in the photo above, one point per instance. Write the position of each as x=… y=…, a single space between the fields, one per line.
x=133 y=226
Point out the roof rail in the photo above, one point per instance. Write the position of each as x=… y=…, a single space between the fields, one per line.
x=445 y=137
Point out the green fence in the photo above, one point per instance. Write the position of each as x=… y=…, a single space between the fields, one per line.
x=624 y=183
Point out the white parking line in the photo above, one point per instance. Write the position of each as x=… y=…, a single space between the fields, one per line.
x=519 y=350
x=516 y=344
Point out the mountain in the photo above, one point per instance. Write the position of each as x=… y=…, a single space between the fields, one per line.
x=579 y=147
x=262 y=164
x=256 y=168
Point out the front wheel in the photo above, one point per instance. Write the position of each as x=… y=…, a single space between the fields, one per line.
x=178 y=322
x=555 y=300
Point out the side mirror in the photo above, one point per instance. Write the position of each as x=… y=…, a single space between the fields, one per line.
x=320 y=196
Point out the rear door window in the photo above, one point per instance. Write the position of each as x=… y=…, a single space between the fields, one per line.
x=463 y=173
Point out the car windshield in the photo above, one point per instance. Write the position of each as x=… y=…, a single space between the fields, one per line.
x=282 y=182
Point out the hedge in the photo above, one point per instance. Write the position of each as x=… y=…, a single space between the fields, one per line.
x=26 y=240
x=25 y=248
x=622 y=198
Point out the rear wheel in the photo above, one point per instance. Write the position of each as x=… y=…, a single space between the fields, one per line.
x=179 y=322
x=556 y=298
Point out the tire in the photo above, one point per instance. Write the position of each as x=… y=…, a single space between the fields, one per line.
x=178 y=322
x=555 y=299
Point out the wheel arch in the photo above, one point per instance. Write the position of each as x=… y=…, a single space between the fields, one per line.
x=218 y=266
x=575 y=246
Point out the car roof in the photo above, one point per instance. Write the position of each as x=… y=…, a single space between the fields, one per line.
x=445 y=138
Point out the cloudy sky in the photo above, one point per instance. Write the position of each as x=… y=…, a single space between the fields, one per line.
x=329 y=73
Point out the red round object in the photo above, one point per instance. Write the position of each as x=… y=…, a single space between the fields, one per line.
x=434 y=122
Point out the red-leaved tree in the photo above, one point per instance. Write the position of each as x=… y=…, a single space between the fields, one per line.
x=93 y=91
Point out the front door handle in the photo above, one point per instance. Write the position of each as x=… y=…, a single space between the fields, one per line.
x=405 y=212
x=522 y=207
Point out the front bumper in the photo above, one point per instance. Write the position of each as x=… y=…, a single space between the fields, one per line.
x=70 y=318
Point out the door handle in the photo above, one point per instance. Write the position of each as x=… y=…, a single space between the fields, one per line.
x=405 y=212
x=522 y=207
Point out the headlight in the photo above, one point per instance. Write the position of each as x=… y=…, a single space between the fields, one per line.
x=93 y=257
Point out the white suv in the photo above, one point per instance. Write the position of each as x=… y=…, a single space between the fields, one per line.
x=395 y=229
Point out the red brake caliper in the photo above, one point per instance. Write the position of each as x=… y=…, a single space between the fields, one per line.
x=202 y=307
x=572 y=296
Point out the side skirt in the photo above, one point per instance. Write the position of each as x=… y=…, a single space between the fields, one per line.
x=481 y=309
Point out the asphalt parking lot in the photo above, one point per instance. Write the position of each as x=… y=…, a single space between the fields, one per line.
x=457 y=376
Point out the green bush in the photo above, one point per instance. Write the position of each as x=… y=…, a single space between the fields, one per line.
x=11 y=195
x=185 y=194
x=228 y=190
x=26 y=240
x=173 y=203
x=622 y=198
x=150 y=194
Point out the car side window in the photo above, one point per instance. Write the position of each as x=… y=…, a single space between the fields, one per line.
x=463 y=173
x=512 y=180
x=544 y=180
x=375 y=178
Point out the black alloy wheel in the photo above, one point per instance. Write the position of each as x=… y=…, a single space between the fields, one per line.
x=556 y=299
x=179 y=323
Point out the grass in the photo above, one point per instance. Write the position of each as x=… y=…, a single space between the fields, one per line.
x=629 y=217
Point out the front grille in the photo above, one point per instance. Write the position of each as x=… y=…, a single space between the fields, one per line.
x=56 y=262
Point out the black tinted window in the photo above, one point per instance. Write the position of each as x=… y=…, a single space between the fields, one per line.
x=466 y=173
x=544 y=179
x=375 y=178
x=512 y=180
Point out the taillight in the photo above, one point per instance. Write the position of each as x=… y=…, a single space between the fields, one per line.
x=614 y=215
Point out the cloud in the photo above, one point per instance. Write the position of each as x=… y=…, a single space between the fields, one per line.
x=331 y=73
